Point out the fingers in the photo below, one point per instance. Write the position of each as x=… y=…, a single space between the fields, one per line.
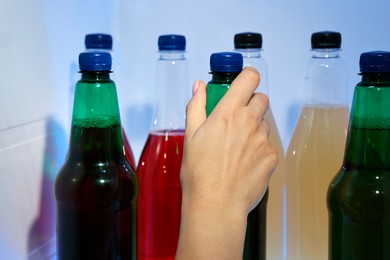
x=264 y=125
x=258 y=105
x=196 y=108
x=241 y=90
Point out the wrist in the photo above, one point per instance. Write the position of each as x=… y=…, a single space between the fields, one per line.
x=210 y=232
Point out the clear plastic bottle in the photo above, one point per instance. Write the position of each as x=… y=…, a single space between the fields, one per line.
x=359 y=195
x=316 y=149
x=249 y=44
x=159 y=202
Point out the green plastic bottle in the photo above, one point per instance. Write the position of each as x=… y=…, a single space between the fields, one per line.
x=359 y=195
x=103 y=42
x=96 y=188
x=225 y=67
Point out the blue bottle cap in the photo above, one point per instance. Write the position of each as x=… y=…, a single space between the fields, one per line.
x=375 y=62
x=95 y=61
x=248 y=40
x=98 y=41
x=226 y=62
x=171 y=42
x=326 y=40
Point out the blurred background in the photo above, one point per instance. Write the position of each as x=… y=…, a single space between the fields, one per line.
x=39 y=45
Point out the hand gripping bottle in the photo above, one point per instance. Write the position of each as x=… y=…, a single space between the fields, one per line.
x=225 y=67
x=249 y=44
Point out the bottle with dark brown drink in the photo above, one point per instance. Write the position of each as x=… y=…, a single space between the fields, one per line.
x=359 y=195
x=104 y=42
x=96 y=188
x=225 y=67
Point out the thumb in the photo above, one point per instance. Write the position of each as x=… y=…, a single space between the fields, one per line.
x=196 y=108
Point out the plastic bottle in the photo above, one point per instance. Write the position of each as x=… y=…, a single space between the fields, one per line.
x=225 y=67
x=359 y=195
x=316 y=149
x=96 y=188
x=159 y=203
x=98 y=42
x=103 y=42
x=249 y=44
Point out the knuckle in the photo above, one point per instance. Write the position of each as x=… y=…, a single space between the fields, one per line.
x=264 y=99
x=266 y=126
x=252 y=130
x=252 y=123
x=189 y=107
x=274 y=157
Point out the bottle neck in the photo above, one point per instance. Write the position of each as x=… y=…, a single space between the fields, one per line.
x=95 y=76
x=96 y=127
x=172 y=55
x=250 y=53
x=326 y=79
x=217 y=87
x=172 y=91
x=375 y=79
x=326 y=53
x=223 y=77
x=252 y=57
x=368 y=138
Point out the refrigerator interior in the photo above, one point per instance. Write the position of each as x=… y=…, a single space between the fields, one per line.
x=39 y=46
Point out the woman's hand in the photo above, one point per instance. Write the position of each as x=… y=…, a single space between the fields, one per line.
x=226 y=167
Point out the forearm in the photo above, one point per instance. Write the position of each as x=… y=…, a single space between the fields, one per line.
x=210 y=232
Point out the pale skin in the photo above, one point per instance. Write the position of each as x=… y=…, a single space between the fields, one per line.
x=227 y=164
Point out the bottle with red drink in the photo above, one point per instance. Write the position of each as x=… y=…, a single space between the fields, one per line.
x=96 y=189
x=159 y=201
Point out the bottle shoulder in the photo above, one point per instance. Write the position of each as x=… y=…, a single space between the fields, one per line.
x=321 y=120
x=359 y=193
x=95 y=76
x=93 y=82
x=95 y=183
x=373 y=84
x=223 y=77
x=218 y=84
x=165 y=147
x=328 y=64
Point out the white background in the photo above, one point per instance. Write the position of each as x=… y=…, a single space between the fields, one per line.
x=40 y=41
